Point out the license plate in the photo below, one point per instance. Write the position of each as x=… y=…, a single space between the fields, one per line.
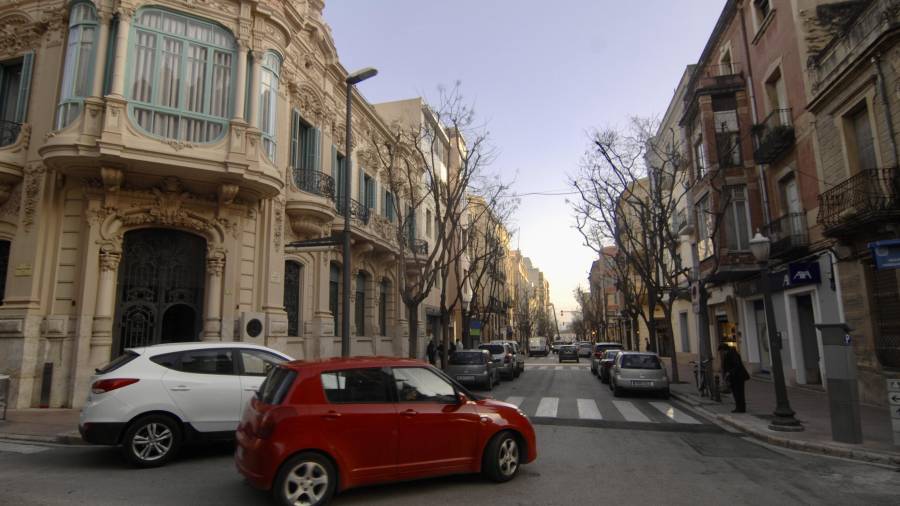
x=641 y=382
x=465 y=378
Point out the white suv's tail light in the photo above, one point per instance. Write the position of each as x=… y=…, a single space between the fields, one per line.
x=107 y=385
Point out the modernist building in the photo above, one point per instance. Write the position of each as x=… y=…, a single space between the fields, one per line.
x=157 y=159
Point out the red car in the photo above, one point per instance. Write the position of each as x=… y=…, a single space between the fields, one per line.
x=317 y=428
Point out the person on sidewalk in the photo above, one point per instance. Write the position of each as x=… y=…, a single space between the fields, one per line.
x=430 y=351
x=736 y=375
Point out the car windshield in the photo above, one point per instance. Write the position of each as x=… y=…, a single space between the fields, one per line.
x=641 y=362
x=611 y=354
x=467 y=358
x=494 y=349
x=584 y=345
x=567 y=348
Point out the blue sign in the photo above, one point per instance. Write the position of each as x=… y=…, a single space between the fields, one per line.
x=886 y=254
x=802 y=273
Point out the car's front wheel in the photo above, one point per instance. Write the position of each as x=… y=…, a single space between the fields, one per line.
x=305 y=479
x=151 y=441
x=502 y=458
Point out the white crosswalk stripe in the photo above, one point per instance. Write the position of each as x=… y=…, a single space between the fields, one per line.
x=547 y=407
x=515 y=400
x=675 y=414
x=588 y=410
x=22 y=448
x=559 y=368
x=630 y=412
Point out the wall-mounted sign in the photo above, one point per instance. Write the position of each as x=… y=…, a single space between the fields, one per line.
x=886 y=254
x=802 y=273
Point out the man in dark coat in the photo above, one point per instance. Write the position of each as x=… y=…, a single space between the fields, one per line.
x=431 y=351
x=736 y=375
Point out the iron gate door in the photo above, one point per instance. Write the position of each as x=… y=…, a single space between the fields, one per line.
x=160 y=288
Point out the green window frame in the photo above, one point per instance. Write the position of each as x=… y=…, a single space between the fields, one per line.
x=181 y=76
x=78 y=70
x=269 y=76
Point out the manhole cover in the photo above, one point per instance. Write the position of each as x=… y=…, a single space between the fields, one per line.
x=722 y=445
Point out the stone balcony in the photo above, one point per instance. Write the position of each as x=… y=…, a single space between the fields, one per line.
x=871 y=197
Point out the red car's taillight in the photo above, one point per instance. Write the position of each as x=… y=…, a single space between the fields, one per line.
x=598 y=354
x=107 y=385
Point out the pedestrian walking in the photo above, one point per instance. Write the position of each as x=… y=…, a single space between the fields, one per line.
x=736 y=375
x=431 y=350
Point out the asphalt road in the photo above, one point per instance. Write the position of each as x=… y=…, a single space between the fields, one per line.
x=582 y=459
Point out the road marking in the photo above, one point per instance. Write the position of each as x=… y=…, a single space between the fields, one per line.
x=23 y=449
x=547 y=407
x=630 y=412
x=516 y=400
x=559 y=368
x=587 y=408
x=675 y=414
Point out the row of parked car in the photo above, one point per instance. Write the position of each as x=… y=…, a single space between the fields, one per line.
x=487 y=365
x=622 y=370
x=358 y=416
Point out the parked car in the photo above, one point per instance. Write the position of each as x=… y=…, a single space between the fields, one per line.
x=537 y=346
x=599 y=348
x=503 y=357
x=609 y=357
x=568 y=352
x=634 y=370
x=519 y=353
x=473 y=367
x=372 y=420
x=151 y=400
x=585 y=349
x=555 y=346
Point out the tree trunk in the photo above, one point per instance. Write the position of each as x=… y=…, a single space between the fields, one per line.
x=667 y=314
x=445 y=333
x=413 y=330
x=467 y=338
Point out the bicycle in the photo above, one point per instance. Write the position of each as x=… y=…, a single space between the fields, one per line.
x=700 y=381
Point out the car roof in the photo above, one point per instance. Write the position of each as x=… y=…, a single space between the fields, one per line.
x=609 y=344
x=195 y=345
x=352 y=363
x=647 y=353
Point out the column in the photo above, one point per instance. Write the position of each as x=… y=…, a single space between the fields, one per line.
x=253 y=120
x=102 y=49
x=101 y=338
x=241 y=84
x=212 y=324
x=118 y=77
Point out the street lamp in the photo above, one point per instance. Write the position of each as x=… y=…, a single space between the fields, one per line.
x=784 y=419
x=352 y=80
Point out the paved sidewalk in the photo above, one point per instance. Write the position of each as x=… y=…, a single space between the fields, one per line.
x=44 y=425
x=811 y=408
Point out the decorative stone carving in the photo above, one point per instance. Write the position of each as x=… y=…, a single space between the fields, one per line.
x=278 y=210
x=227 y=193
x=215 y=266
x=22 y=142
x=18 y=34
x=109 y=259
x=33 y=175
x=212 y=5
x=9 y=208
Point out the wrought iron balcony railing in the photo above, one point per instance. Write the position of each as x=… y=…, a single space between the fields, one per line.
x=870 y=195
x=315 y=182
x=9 y=132
x=358 y=211
x=722 y=70
x=418 y=246
x=789 y=234
x=774 y=136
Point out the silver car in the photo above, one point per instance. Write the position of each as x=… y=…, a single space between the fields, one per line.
x=519 y=353
x=473 y=367
x=503 y=358
x=634 y=370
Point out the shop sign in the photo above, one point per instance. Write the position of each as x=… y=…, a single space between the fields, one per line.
x=475 y=328
x=886 y=254
x=802 y=273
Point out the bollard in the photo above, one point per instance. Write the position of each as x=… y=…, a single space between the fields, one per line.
x=843 y=390
x=4 y=395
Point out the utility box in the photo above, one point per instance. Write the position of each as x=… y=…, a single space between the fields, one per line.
x=842 y=384
x=893 y=390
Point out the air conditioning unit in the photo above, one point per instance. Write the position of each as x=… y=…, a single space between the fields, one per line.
x=253 y=327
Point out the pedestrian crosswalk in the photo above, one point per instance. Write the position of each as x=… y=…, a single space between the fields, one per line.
x=560 y=367
x=615 y=410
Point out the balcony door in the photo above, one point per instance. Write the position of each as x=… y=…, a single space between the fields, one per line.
x=792 y=206
x=864 y=144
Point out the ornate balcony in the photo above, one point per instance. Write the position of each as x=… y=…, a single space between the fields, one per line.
x=774 y=136
x=789 y=235
x=720 y=76
x=418 y=246
x=315 y=182
x=358 y=211
x=9 y=132
x=312 y=217
x=865 y=198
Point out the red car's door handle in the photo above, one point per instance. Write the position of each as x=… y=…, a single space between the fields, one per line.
x=410 y=412
x=331 y=415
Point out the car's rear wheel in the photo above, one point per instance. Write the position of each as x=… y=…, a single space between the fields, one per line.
x=151 y=441
x=306 y=479
x=501 y=458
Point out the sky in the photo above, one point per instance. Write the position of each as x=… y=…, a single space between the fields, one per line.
x=541 y=75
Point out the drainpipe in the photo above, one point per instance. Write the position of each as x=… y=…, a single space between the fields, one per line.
x=876 y=60
x=760 y=174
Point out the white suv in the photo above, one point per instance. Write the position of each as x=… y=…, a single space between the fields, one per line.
x=150 y=400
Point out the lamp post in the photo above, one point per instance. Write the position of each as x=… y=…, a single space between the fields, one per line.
x=784 y=416
x=352 y=80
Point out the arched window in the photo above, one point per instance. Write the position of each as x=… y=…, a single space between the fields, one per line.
x=181 y=76
x=268 y=100
x=293 y=272
x=78 y=73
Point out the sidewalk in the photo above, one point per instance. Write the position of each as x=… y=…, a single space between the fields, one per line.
x=43 y=425
x=811 y=408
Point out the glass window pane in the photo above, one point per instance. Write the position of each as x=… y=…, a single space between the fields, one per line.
x=357 y=386
x=169 y=73
x=83 y=79
x=142 y=89
x=418 y=384
x=195 y=75
x=219 y=361
x=258 y=363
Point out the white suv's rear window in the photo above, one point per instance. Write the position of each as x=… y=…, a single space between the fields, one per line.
x=118 y=362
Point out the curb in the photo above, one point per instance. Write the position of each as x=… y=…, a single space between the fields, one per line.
x=66 y=438
x=861 y=455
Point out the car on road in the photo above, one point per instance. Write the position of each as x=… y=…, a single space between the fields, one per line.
x=585 y=349
x=152 y=400
x=517 y=351
x=554 y=347
x=537 y=346
x=319 y=428
x=634 y=370
x=599 y=349
x=568 y=352
x=609 y=357
x=473 y=367
x=503 y=357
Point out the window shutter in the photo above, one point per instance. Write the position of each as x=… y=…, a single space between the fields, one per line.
x=373 y=192
x=361 y=191
x=315 y=150
x=24 y=88
x=334 y=167
x=295 y=139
